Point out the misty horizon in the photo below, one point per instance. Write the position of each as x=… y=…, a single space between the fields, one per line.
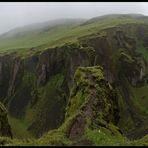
x=21 y=14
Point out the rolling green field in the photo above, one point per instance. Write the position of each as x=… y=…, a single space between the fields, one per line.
x=30 y=42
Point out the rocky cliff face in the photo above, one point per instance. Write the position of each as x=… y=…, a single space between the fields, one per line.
x=37 y=88
x=92 y=106
x=116 y=50
x=110 y=44
x=93 y=100
x=28 y=82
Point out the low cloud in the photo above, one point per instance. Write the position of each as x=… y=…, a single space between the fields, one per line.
x=14 y=14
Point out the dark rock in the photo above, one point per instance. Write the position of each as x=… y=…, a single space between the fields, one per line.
x=43 y=76
x=5 y=129
x=13 y=78
x=99 y=106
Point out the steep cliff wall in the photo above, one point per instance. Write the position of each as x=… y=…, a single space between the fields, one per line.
x=36 y=89
x=118 y=51
x=92 y=106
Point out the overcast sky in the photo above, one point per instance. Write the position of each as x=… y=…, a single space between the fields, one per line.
x=14 y=14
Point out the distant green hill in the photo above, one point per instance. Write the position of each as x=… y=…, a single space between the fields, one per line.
x=54 y=33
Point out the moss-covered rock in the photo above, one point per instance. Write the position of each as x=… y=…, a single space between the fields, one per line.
x=27 y=89
x=93 y=99
x=91 y=116
x=5 y=129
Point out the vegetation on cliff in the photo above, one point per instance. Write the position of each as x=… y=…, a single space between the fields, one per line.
x=55 y=89
x=5 y=129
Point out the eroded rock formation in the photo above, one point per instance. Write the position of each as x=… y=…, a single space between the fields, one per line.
x=5 y=129
x=93 y=100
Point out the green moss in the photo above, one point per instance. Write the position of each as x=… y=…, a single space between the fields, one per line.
x=51 y=100
x=143 y=50
x=79 y=94
x=5 y=141
x=77 y=101
x=81 y=74
x=140 y=97
x=19 y=128
x=41 y=100
x=140 y=142
x=127 y=57
x=3 y=110
x=29 y=79
x=18 y=103
x=21 y=120
x=5 y=129
x=55 y=138
x=103 y=137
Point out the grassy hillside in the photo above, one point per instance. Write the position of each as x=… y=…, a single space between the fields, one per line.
x=19 y=128
x=39 y=39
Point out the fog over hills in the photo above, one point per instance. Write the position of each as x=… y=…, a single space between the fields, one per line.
x=41 y=25
x=59 y=22
x=18 y=14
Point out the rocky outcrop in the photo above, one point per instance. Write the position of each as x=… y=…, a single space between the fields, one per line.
x=5 y=129
x=21 y=80
x=92 y=106
x=117 y=51
x=43 y=76
x=93 y=100
x=60 y=65
x=108 y=45
x=13 y=78
x=134 y=68
x=124 y=41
